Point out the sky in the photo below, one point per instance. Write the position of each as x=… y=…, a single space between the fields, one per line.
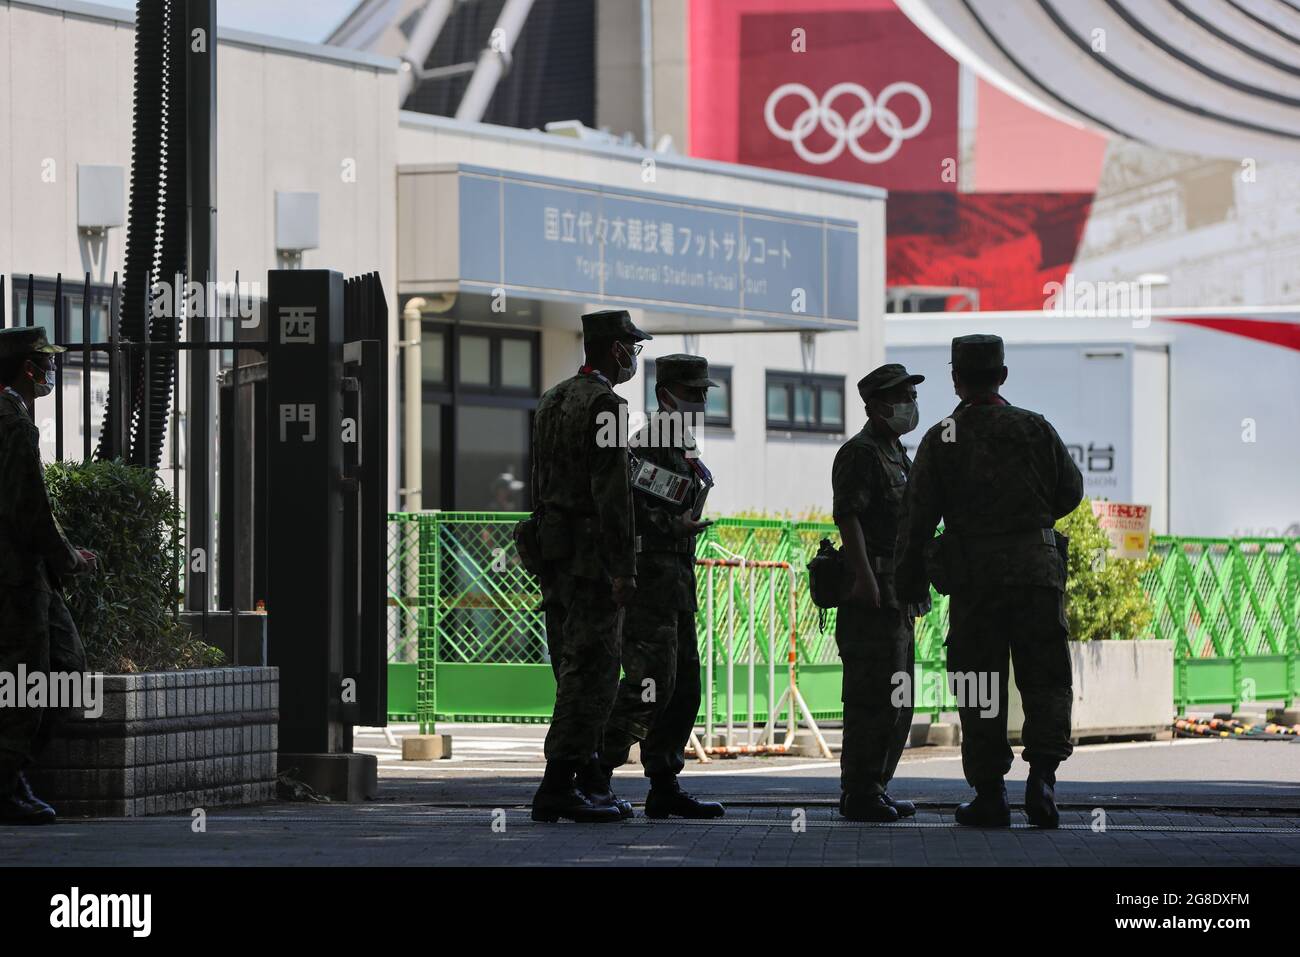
x=307 y=20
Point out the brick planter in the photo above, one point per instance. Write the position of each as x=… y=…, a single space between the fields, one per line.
x=167 y=741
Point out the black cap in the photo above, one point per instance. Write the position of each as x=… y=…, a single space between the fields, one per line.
x=611 y=324
x=886 y=377
x=26 y=341
x=680 y=369
x=978 y=352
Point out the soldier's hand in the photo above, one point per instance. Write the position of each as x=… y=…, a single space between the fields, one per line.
x=865 y=590
x=89 y=561
x=624 y=589
x=690 y=526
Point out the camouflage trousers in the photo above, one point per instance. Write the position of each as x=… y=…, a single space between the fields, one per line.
x=876 y=645
x=583 y=636
x=1026 y=624
x=659 y=695
x=37 y=633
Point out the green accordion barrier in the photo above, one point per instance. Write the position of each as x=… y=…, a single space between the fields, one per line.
x=467 y=642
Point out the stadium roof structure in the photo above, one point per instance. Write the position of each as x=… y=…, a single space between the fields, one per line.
x=1214 y=78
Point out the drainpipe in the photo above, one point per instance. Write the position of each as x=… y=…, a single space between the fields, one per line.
x=647 y=77
x=494 y=59
x=423 y=37
x=412 y=407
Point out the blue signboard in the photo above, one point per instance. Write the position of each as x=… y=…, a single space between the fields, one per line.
x=554 y=239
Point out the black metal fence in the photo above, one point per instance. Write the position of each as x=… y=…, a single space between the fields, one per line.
x=138 y=416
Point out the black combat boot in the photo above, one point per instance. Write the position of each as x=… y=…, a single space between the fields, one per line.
x=24 y=807
x=666 y=798
x=1040 y=797
x=594 y=781
x=558 y=797
x=904 y=808
x=867 y=807
x=990 y=807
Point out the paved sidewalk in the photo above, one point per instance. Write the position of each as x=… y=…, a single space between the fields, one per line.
x=405 y=834
x=1193 y=803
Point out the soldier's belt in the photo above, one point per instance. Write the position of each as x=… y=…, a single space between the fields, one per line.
x=648 y=543
x=1003 y=540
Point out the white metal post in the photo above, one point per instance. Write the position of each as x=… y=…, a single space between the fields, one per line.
x=771 y=656
x=749 y=731
x=731 y=654
x=708 y=665
x=790 y=704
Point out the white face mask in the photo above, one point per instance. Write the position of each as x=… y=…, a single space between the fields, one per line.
x=677 y=404
x=903 y=417
x=625 y=372
x=45 y=386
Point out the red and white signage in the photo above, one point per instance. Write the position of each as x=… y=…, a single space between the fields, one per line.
x=1128 y=526
x=856 y=95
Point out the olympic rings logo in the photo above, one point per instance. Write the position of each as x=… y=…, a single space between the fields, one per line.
x=874 y=112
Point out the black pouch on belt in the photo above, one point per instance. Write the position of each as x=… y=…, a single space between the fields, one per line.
x=528 y=545
x=945 y=563
x=826 y=576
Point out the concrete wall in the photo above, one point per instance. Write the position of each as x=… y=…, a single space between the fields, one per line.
x=619 y=69
x=286 y=121
x=291 y=116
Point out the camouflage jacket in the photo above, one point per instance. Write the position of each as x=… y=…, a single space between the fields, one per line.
x=34 y=553
x=665 y=565
x=580 y=485
x=994 y=474
x=868 y=481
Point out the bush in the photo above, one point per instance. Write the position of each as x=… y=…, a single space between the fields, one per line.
x=125 y=612
x=1103 y=597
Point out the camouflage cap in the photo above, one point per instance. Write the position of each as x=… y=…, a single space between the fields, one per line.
x=685 y=370
x=26 y=341
x=611 y=324
x=978 y=352
x=886 y=377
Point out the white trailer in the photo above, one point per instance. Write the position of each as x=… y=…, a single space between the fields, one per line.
x=1192 y=411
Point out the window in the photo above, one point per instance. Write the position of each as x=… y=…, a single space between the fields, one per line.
x=496 y=361
x=718 y=410
x=479 y=390
x=801 y=402
x=475 y=360
x=43 y=310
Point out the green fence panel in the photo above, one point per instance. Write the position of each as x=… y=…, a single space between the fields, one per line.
x=402 y=681
x=1230 y=607
x=466 y=615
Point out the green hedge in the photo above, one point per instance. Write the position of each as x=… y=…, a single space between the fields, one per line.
x=126 y=611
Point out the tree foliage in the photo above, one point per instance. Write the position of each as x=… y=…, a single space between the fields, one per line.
x=1103 y=596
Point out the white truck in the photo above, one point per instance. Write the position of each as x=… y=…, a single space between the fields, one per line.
x=1195 y=412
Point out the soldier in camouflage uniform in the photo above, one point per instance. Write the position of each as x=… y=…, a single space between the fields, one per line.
x=36 y=631
x=659 y=695
x=873 y=629
x=583 y=502
x=999 y=477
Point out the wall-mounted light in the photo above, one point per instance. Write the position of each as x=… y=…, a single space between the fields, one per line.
x=101 y=198
x=101 y=205
x=297 y=226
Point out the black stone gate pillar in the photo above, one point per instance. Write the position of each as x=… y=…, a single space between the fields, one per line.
x=308 y=494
